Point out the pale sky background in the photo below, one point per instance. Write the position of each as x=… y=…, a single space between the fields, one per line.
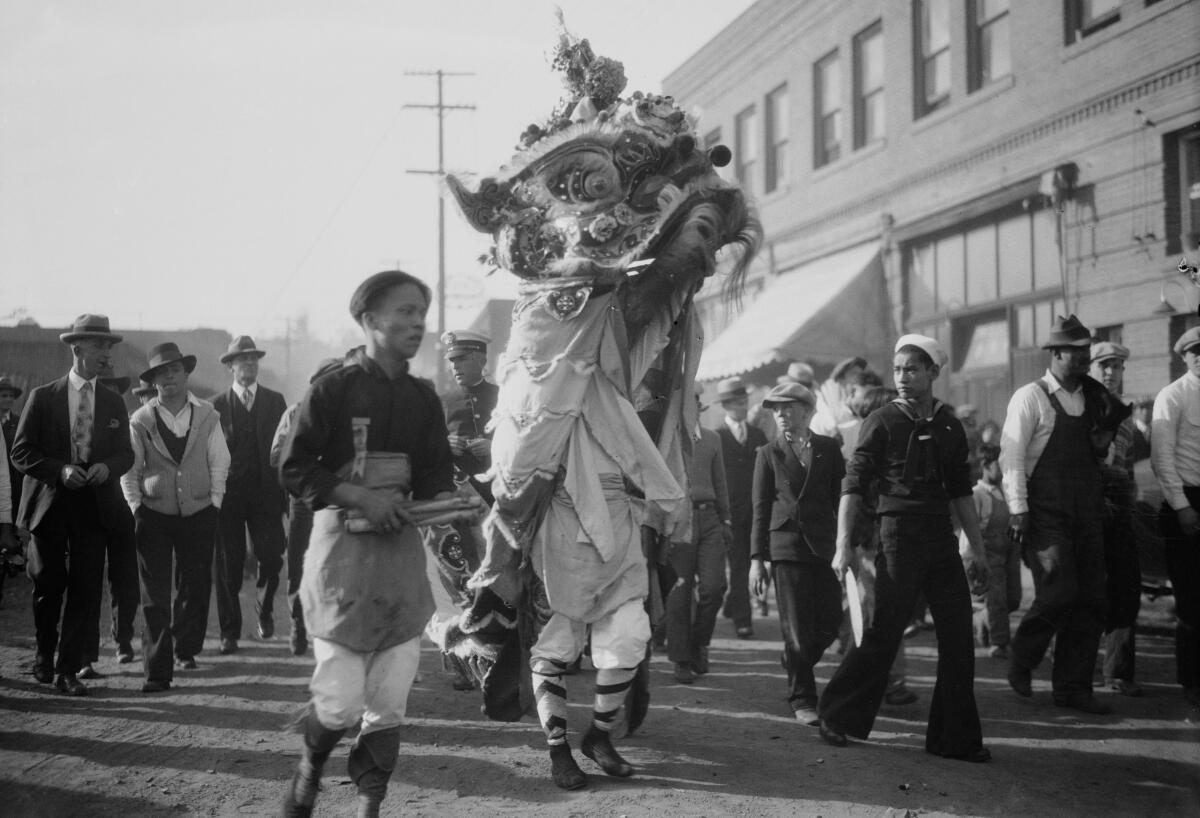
x=231 y=164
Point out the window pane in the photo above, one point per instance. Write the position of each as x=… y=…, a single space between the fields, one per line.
x=990 y=8
x=872 y=62
x=1045 y=251
x=937 y=77
x=951 y=292
x=981 y=264
x=1043 y=319
x=1015 y=256
x=1092 y=9
x=988 y=346
x=920 y=280
x=935 y=25
x=1025 y=334
x=873 y=117
x=831 y=86
x=994 y=57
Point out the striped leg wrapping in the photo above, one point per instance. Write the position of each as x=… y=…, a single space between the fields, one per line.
x=611 y=686
x=550 y=693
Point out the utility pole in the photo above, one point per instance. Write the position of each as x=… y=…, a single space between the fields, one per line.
x=441 y=109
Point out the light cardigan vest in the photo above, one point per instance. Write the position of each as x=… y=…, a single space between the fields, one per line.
x=178 y=489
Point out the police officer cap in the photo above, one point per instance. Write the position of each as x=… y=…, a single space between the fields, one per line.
x=460 y=342
x=1188 y=340
x=1107 y=349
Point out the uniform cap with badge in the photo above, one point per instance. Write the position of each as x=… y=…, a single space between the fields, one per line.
x=462 y=342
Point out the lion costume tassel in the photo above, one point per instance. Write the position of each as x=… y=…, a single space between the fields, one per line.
x=613 y=217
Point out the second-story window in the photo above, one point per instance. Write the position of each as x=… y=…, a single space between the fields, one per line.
x=827 y=114
x=745 y=146
x=931 y=24
x=777 y=138
x=868 y=86
x=1084 y=17
x=988 y=43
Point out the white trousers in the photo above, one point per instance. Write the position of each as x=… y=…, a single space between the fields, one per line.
x=618 y=639
x=347 y=684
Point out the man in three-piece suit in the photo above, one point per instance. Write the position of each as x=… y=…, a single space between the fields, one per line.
x=797 y=483
x=254 y=498
x=740 y=439
x=73 y=445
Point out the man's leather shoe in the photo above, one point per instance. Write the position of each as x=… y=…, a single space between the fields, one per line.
x=597 y=745
x=43 y=671
x=1126 y=687
x=980 y=756
x=700 y=663
x=900 y=696
x=1084 y=703
x=69 y=683
x=266 y=627
x=563 y=769
x=745 y=632
x=88 y=672
x=155 y=686
x=228 y=646
x=124 y=653
x=684 y=673
x=806 y=715
x=832 y=735
x=1021 y=681
x=185 y=663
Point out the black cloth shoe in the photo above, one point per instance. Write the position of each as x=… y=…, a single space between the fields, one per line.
x=185 y=663
x=700 y=663
x=88 y=672
x=266 y=627
x=124 y=653
x=832 y=735
x=228 y=646
x=980 y=756
x=1084 y=703
x=69 y=683
x=597 y=745
x=564 y=770
x=1021 y=681
x=43 y=671
x=155 y=686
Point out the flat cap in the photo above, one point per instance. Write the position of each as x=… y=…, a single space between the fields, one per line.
x=1104 y=350
x=789 y=393
x=1188 y=340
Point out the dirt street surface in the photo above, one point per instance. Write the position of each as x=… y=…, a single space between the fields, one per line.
x=216 y=745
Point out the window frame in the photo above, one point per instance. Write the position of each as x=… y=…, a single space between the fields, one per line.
x=822 y=154
x=976 y=28
x=862 y=95
x=1077 y=28
x=775 y=138
x=922 y=104
x=743 y=168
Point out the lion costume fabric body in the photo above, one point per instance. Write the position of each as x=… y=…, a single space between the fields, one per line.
x=613 y=218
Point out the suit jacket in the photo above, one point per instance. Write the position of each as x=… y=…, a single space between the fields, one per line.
x=795 y=514
x=269 y=407
x=739 y=471
x=43 y=448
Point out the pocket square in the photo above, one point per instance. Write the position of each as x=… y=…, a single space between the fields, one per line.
x=113 y=423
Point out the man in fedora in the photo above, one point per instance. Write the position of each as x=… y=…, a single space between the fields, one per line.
x=469 y=408
x=1175 y=457
x=740 y=439
x=254 y=499
x=9 y=392
x=175 y=490
x=72 y=444
x=796 y=485
x=1056 y=431
x=1122 y=566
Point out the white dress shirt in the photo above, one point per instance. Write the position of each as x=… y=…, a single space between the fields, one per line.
x=1175 y=438
x=1028 y=425
x=179 y=424
x=241 y=391
x=738 y=427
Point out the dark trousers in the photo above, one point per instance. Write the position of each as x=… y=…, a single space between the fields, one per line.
x=810 y=612
x=300 y=519
x=1065 y=553
x=1183 y=568
x=174 y=630
x=66 y=561
x=240 y=512
x=917 y=554
x=1124 y=591
x=120 y=547
x=737 y=601
x=699 y=564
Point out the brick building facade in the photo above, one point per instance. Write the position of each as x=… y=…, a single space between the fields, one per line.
x=1010 y=159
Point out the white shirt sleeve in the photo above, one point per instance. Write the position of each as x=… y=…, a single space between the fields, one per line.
x=1020 y=421
x=1164 y=435
x=131 y=481
x=218 y=464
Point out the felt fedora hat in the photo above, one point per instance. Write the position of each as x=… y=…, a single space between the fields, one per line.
x=789 y=393
x=7 y=385
x=90 y=326
x=241 y=345
x=164 y=354
x=731 y=389
x=1067 y=332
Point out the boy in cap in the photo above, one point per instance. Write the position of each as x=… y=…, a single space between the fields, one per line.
x=740 y=439
x=915 y=452
x=1175 y=456
x=469 y=408
x=174 y=489
x=1056 y=431
x=797 y=481
x=1122 y=567
x=73 y=446
x=366 y=436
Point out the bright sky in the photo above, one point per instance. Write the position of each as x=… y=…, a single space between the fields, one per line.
x=233 y=164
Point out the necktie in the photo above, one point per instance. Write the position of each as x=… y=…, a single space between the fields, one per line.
x=739 y=432
x=248 y=399
x=81 y=432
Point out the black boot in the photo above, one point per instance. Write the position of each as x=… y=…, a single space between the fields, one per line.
x=564 y=770
x=597 y=745
x=371 y=762
x=301 y=794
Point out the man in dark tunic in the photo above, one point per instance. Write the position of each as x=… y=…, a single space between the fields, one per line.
x=367 y=436
x=469 y=408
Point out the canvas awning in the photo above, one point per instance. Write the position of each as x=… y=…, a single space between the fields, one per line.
x=824 y=310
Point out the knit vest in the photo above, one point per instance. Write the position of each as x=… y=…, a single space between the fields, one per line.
x=178 y=489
